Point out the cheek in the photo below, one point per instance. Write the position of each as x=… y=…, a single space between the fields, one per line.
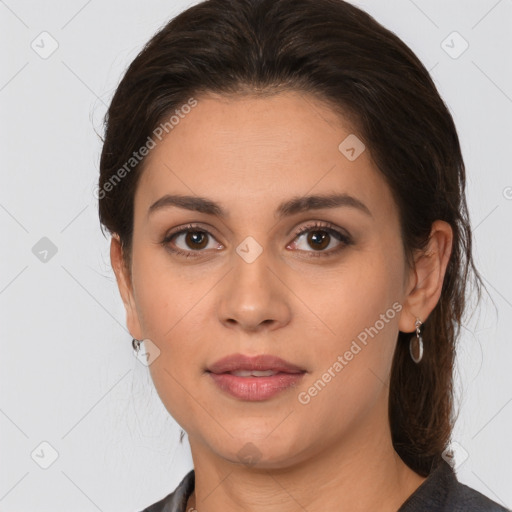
x=359 y=308
x=353 y=362
x=347 y=302
x=170 y=307
x=165 y=298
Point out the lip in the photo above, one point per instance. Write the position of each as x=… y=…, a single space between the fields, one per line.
x=254 y=388
x=236 y=362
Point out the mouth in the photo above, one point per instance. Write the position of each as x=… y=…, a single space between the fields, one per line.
x=254 y=378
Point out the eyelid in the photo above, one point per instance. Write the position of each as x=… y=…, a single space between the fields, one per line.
x=189 y=227
x=322 y=225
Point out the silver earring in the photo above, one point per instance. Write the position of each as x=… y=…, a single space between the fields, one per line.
x=136 y=345
x=416 y=343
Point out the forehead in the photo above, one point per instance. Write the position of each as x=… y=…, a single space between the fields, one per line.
x=247 y=150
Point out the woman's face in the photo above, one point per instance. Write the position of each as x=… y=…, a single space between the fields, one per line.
x=246 y=284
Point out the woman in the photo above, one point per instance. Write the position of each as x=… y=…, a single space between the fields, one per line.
x=285 y=192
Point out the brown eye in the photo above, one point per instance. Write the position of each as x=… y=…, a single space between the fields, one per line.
x=319 y=238
x=196 y=239
x=189 y=241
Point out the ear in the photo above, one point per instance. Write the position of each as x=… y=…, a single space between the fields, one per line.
x=124 y=284
x=426 y=278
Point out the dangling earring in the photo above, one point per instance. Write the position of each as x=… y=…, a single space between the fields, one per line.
x=416 y=343
x=136 y=345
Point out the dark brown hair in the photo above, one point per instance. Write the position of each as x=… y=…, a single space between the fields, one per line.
x=341 y=55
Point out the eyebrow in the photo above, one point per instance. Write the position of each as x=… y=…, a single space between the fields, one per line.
x=288 y=208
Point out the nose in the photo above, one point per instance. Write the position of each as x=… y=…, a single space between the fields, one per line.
x=254 y=296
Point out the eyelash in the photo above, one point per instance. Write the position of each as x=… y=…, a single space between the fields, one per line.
x=316 y=226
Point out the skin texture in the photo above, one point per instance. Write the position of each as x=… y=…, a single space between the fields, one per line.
x=249 y=154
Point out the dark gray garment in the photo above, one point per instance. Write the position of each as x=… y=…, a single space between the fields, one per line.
x=440 y=492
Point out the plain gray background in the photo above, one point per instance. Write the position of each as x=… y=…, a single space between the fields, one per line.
x=68 y=374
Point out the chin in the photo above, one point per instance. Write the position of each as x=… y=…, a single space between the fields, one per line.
x=262 y=452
